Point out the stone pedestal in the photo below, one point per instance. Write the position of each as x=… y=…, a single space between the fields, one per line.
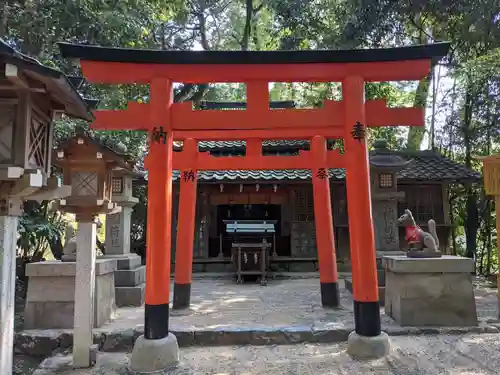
x=50 y=299
x=430 y=292
x=130 y=274
x=118 y=231
x=130 y=279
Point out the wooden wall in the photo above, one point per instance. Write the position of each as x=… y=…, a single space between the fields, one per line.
x=425 y=200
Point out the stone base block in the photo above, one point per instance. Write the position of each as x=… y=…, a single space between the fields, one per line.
x=50 y=298
x=381 y=277
x=127 y=262
x=348 y=285
x=430 y=292
x=150 y=356
x=363 y=347
x=381 y=291
x=130 y=295
x=130 y=277
x=303 y=267
x=218 y=267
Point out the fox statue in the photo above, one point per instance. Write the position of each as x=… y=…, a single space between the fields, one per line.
x=418 y=239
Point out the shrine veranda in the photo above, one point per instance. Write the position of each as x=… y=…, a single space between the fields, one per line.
x=167 y=122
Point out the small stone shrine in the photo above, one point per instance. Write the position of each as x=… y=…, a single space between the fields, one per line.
x=384 y=165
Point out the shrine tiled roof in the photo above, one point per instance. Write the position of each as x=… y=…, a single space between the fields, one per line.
x=423 y=166
x=431 y=166
x=221 y=145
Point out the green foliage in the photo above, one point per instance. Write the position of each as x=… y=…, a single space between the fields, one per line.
x=464 y=119
x=41 y=229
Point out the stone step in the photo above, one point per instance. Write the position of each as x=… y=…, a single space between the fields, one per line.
x=131 y=277
x=126 y=296
x=43 y=343
x=273 y=275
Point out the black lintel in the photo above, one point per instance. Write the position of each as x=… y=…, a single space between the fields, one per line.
x=108 y=54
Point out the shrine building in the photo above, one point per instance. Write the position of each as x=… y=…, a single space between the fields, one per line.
x=278 y=204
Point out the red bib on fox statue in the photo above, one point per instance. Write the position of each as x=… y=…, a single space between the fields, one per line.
x=412 y=234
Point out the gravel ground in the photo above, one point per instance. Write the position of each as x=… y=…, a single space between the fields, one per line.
x=217 y=304
x=429 y=355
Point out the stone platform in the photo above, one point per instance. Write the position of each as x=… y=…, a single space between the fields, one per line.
x=223 y=313
x=50 y=299
x=430 y=291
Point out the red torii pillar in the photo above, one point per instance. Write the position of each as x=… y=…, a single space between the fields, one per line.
x=158 y=240
x=362 y=242
x=323 y=220
x=185 y=229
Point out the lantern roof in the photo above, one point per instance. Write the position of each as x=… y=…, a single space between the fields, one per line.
x=61 y=88
x=382 y=157
x=124 y=164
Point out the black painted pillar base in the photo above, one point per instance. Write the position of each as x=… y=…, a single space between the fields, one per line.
x=367 y=318
x=330 y=294
x=156 y=319
x=182 y=296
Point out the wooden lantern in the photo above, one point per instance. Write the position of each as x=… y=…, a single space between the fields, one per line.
x=88 y=167
x=491 y=173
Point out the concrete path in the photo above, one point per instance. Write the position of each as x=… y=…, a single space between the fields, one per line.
x=424 y=355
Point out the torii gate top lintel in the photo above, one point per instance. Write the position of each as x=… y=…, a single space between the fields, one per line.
x=401 y=63
x=160 y=69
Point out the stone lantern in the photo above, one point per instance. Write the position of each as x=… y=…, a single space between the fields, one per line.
x=385 y=196
x=88 y=167
x=131 y=274
x=384 y=166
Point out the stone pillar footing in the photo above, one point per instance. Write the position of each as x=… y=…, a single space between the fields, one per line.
x=151 y=356
x=130 y=277
x=364 y=347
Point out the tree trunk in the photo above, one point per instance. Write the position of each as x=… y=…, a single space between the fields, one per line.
x=452 y=222
x=488 y=237
x=415 y=133
x=471 y=220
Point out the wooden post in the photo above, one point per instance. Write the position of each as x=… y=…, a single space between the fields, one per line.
x=325 y=242
x=362 y=243
x=497 y=210
x=8 y=245
x=84 y=292
x=185 y=231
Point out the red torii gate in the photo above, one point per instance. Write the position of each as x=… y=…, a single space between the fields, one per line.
x=346 y=119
